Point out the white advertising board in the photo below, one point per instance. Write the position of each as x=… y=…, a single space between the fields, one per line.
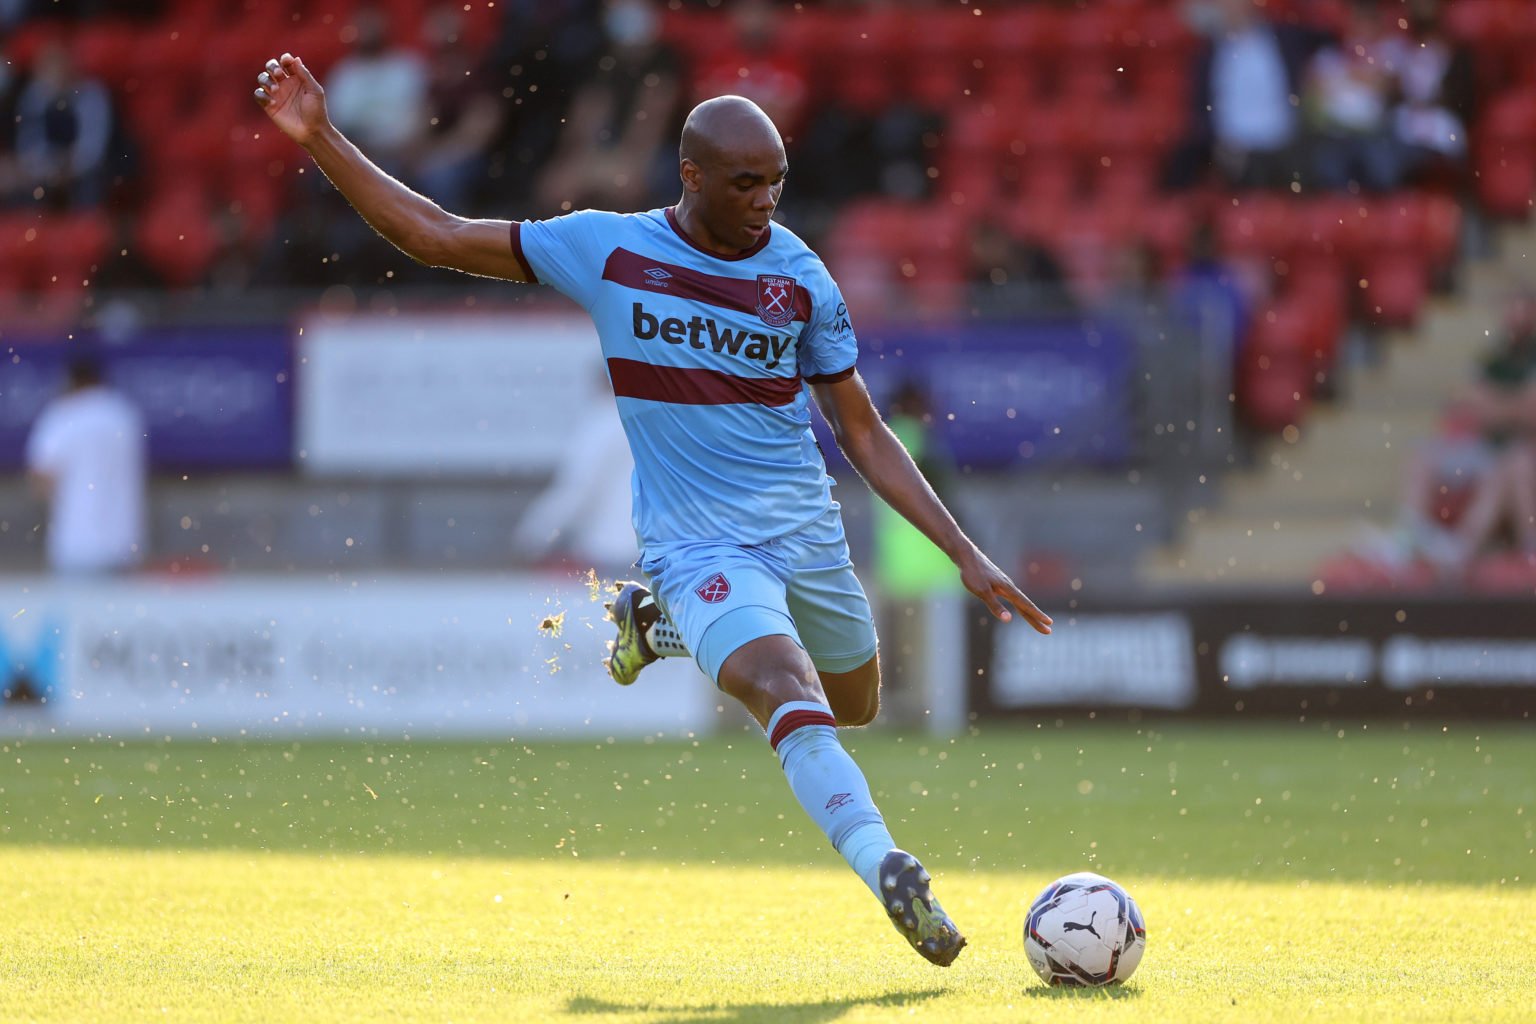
x=448 y=394
x=401 y=655
x=1133 y=659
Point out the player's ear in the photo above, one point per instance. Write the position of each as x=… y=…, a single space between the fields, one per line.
x=690 y=173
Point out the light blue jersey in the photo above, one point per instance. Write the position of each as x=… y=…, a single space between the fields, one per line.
x=709 y=357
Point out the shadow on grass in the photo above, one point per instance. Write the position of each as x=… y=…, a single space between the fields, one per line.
x=1068 y=994
x=826 y=1010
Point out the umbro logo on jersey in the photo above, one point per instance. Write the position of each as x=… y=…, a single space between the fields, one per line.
x=715 y=589
x=657 y=274
x=702 y=333
x=838 y=802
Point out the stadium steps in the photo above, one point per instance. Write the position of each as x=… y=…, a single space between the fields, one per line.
x=1311 y=494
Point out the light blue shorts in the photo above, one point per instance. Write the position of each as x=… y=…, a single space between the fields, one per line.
x=721 y=596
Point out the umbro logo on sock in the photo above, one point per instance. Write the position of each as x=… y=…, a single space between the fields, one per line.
x=839 y=801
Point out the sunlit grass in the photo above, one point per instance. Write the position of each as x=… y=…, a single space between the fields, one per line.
x=1288 y=873
x=234 y=936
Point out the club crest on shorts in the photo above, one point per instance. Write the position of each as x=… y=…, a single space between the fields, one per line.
x=775 y=299
x=715 y=589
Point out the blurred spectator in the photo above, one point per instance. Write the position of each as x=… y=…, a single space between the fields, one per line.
x=1010 y=274
x=611 y=154
x=11 y=14
x=86 y=456
x=1135 y=282
x=463 y=116
x=63 y=126
x=860 y=150
x=1483 y=461
x=1435 y=89
x=910 y=568
x=1349 y=90
x=1243 y=119
x=10 y=173
x=546 y=49
x=377 y=95
x=583 y=516
x=1209 y=297
x=758 y=65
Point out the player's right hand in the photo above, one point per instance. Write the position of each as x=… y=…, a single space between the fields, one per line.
x=292 y=98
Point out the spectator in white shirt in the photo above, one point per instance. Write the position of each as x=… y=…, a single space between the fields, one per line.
x=1243 y=119
x=87 y=457
x=377 y=95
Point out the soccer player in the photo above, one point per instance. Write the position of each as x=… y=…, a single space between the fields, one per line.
x=713 y=320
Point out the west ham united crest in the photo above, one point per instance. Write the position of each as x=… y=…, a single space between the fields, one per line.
x=775 y=299
x=715 y=589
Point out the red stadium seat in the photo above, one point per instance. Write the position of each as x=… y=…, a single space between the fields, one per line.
x=256 y=198
x=73 y=247
x=1442 y=229
x=31 y=38
x=936 y=85
x=1168 y=225
x=1330 y=229
x=1258 y=224
x=1126 y=179
x=1165 y=36
x=104 y=49
x=20 y=262
x=1505 y=152
x=1273 y=393
x=1393 y=261
x=1319 y=287
x=1396 y=285
x=176 y=237
x=946 y=36
x=1290 y=341
x=902 y=255
x=1032 y=35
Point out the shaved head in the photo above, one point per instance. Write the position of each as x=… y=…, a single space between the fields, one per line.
x=721 y=127
x=732 y=166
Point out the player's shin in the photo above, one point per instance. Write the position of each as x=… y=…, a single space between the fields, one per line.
x=830 y=786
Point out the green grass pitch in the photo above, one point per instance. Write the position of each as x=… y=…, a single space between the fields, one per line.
x=1288 y=873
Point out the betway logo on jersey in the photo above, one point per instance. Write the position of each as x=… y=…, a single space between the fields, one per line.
x=703 y=333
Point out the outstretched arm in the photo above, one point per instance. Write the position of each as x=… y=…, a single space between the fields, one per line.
x=890 y=472
x=418 y=227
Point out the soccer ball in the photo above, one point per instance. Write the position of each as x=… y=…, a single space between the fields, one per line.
x=1084 y=930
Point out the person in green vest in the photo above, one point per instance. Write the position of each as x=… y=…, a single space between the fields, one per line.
x=910 y=568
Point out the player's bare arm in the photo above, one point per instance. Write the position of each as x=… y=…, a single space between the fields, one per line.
x=886 y=466
x=414 y=224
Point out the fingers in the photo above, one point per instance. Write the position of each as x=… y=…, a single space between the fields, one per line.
x=294 y=66
x=994 y=606
x=1036 y=618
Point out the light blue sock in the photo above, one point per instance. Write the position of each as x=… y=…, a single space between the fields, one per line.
x=830 y=786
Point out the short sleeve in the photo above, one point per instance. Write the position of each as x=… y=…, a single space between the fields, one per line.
x=828 y=347
x=43 y=444
x=567 y=253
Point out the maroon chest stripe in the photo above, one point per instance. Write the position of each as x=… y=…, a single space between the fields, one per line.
x=733 y=293
x=680 y=386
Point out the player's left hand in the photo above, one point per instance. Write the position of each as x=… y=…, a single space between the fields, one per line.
x=993 y=587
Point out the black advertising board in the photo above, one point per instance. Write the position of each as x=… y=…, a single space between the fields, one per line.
x=1265 y=656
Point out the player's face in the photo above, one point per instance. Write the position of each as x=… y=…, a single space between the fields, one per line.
x=740 y=194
